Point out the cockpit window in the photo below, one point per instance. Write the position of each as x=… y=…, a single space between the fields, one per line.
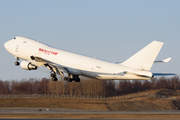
x=14 y=38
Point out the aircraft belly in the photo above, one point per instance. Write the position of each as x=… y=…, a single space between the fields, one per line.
x=74 y=71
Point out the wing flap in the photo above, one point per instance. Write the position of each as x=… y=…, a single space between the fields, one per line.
x=50 y=65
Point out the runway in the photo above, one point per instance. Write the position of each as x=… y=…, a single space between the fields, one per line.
x=86 y=119
x=54 y=113
x=70 y=111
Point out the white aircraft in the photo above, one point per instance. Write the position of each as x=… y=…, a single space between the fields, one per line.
x=70 y=65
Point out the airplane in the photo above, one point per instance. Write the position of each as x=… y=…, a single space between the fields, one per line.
x=36 y=54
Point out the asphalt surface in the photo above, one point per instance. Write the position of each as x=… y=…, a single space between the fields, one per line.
x=85 y=119
x=70 y=111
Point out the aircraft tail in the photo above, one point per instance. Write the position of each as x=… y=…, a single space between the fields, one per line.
x=145 y=58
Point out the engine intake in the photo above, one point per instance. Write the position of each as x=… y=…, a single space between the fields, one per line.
x=28 y=65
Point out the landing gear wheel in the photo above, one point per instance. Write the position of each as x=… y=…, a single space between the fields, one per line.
x=77 y=80
x=54 y=79
x=17 y=63
x=69 y=80
x=65 y=78
x=53 y=75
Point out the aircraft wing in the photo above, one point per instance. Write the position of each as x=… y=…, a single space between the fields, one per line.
x=56 y=68
x=163 y=61
x=50 y=65
x=163 y=74
x=117 y=62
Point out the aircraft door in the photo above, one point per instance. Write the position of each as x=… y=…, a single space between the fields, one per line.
x=17 y=47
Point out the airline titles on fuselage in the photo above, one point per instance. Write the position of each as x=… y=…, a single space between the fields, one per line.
x=48 y=52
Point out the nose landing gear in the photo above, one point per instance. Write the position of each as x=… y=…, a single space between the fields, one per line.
x=17 y=63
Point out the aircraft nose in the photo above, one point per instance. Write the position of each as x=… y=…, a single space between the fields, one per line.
x=6 y=45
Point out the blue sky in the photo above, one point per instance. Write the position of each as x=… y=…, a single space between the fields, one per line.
x=111 y=30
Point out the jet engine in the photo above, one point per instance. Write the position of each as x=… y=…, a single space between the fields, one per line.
x=28 y=65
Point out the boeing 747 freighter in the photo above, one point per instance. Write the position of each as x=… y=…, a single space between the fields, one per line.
x=70 y=65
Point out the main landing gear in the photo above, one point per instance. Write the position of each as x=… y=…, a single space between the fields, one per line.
x=54 y=78
x=53 y=73
x=68 y=79
x=17 y=63
x=72 y=78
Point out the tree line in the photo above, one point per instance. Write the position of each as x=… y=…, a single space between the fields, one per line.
x=87 y=86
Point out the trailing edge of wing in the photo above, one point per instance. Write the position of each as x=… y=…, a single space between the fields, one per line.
x=37 y=57
x=163 y=74
x=117 y=62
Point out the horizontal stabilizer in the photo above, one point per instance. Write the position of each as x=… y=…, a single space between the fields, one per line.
x=163 y=74
x=163 y=61
x=140 y=73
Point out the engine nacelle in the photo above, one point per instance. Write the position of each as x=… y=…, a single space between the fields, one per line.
x=28 y=65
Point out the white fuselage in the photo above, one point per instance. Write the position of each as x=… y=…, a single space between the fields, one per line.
x=75 y=64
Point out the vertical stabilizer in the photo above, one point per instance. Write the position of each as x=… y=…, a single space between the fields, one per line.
x=145 y=58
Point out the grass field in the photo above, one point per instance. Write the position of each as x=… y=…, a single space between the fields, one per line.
x=134 y=104
x=143 y=104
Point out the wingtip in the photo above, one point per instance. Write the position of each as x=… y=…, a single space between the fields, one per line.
x=163 y=74
x=167 y=59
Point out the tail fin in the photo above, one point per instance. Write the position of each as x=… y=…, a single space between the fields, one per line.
x=145 y=58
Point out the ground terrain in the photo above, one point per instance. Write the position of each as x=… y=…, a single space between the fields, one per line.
x=156 y=100
x=94 y=116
